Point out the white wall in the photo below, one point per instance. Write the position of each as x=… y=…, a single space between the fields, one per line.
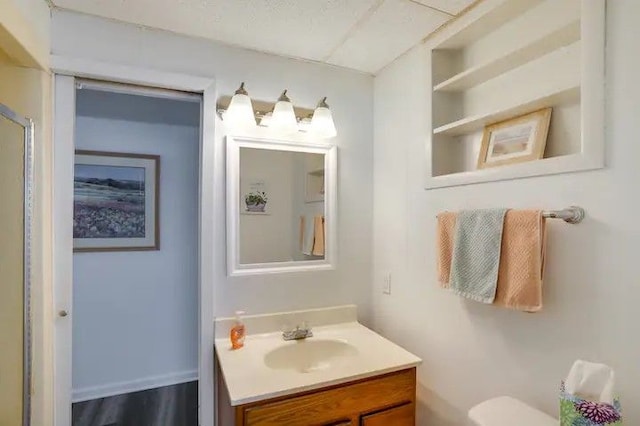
x=265 y=238
x=351 y=99
x=25 y=28
x=136 y=313
x=38 y=15
x=472 y=352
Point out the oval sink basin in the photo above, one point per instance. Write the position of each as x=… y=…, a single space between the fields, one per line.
x=307 y=356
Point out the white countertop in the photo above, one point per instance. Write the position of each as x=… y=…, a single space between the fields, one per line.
x=248 y=378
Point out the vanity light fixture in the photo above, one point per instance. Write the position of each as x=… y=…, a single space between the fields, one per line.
x=239 y=114
x=322 y=124
x=283 y=118
x=265 y=119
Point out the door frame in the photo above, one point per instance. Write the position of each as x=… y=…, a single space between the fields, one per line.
x=66 y=70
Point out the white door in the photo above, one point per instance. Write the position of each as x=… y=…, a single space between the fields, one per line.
x=63 y=157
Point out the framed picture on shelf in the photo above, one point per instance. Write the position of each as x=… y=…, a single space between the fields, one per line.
x=516 y=140
x=115 y=201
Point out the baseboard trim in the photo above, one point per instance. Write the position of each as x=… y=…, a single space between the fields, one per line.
x=119 y=388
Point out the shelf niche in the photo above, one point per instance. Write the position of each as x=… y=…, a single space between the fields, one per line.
x=506 y=58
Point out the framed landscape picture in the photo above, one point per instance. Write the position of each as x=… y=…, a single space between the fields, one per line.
x=515 y=140
x=115 y=201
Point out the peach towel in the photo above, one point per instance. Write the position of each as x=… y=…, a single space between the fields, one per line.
x=318 y=236
x=521 y=258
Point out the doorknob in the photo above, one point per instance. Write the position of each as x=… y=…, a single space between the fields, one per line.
x=63 y=313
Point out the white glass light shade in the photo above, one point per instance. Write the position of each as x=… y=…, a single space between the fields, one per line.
x=322 y=124
x=283 y=118
x=265 y=121
x=239 y=115
x=304 y=125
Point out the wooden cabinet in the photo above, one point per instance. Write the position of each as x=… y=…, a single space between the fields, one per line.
x=382 y=400
x=403 y=415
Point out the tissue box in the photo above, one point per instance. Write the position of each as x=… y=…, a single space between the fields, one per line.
x=575 y=411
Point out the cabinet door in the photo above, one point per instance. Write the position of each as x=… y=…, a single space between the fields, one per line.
x=332 y=405
x=403 y=415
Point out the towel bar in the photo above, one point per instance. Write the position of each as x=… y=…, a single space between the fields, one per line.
x=573 y=214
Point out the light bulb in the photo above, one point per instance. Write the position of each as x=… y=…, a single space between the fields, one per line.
x=322 y=124
x=283 y=118
x=239 y=114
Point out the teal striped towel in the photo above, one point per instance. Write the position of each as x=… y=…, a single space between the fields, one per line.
x=476 y=254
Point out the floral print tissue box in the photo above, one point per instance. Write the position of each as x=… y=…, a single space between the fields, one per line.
x=575 y=411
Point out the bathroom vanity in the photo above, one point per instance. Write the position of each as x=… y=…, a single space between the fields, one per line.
x=345 y=374
x=388 y=399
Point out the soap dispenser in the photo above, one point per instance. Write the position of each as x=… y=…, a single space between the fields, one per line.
x=237 y=333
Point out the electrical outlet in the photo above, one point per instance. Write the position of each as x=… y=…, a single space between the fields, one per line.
x=386 y=284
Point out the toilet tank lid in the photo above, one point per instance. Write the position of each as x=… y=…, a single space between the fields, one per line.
x=507 y=411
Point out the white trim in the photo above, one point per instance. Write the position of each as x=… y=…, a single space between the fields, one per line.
x=546 y=166
x=210 y=174
x=131 y=89
x=234 y=267
x=120 y=388
x=209 y=216
x=86 y=68
x=62 y=211
x=594 y=29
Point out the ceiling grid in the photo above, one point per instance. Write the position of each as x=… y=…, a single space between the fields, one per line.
x=363 y=35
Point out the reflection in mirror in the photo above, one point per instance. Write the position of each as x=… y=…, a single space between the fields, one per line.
x=280 y=205
x=14 y=281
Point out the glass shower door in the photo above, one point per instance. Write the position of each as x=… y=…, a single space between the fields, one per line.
x=15 y=187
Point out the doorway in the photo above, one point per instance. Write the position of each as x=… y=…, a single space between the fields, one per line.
x=134 y=317
x=135 y=328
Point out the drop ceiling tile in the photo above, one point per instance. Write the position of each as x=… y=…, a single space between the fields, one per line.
x=392 y=29
x=450 y=6
x=308 y=29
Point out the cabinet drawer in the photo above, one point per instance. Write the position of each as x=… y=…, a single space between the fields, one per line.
x=403 y=415
x=336 y=404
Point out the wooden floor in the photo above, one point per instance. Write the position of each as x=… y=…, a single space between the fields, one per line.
x=175 y=405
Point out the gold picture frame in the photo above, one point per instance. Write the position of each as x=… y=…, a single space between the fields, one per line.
x=516 y=140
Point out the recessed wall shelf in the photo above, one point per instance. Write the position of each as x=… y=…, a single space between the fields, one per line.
x=478 y=122
x=487 y=70
x=506 y=58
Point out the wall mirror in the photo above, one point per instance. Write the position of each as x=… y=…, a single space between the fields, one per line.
x=281 y=204
x=16 y=175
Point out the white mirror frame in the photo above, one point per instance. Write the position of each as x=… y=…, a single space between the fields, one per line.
x=234 y=267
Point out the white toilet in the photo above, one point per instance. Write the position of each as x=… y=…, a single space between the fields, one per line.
x=507 y=411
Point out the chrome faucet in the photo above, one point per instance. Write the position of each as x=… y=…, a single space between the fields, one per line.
x=298 y=333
